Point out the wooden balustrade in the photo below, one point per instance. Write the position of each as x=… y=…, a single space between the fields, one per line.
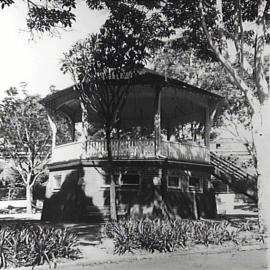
x=121 y=149
x=184 y=151
x=66 y=152
x=131 y=149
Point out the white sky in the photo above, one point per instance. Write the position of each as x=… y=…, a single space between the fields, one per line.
x=38 y=62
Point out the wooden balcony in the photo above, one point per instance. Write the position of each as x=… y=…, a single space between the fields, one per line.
x=131 y=149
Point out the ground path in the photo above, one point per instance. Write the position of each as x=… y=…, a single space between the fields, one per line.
x=234 y=260
x=100 y=257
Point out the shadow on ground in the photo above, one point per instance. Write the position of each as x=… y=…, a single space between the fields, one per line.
x=237 y=220
x=88 y=234
x=247 y=207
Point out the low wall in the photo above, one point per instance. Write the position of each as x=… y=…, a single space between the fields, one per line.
x=13 y=203
x=234 y=204
x=225 y=203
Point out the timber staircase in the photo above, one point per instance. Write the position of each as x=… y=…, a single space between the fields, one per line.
x=236 y=178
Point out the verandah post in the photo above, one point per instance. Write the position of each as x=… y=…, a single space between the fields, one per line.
x=207 y=128
x=157 y=120
x=53 y=128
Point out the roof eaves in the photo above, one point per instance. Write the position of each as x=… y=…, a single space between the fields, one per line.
x=56 y=94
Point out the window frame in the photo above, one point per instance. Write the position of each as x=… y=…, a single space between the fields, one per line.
x=179 y=187
x=182 y=178
x=121 y=184
x=194 y=188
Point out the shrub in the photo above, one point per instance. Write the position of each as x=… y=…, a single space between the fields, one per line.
x=147 y=234
x=166 y=235
x=123 y=233
x=155 y=235
x=30 y=245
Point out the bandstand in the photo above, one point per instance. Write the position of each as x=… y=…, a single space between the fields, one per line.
x=153 y=164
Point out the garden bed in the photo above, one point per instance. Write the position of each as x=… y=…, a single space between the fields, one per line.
x=169 y=235
x=29 y=244
x=33 y=243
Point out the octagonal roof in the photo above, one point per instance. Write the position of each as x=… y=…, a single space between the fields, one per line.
x=180 y=102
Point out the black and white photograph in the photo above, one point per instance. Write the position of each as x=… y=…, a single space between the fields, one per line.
x=135 y=134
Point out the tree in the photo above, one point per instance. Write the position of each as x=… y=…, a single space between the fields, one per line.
x=99 y=65
x=25 y=139
x=98 y=93
x=218 y=26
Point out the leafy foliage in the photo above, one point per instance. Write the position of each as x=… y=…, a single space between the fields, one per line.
x=116 y=53
x=24 y=129
x=5 y=3
x=30 y=245
x=45 y=15
x=121 y=46
x=44 y=19
x=167 y=235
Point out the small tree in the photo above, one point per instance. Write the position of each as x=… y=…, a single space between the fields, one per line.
x=100 y=91
x=25 y=139
x=103 y=67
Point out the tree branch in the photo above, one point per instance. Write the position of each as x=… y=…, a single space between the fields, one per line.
x=235 y=76
x=260 y=80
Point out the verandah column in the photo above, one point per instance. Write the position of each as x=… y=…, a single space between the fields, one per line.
x=71 y=123
x=207 y=128
x=85 y=128
x=210 y=113
x=73 y=130
x=85 y=123
x=53 y=127
x=157 y=119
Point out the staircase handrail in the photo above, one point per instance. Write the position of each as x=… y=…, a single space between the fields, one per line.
x=229 y=166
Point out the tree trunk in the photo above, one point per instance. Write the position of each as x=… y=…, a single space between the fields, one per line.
x=113 y=211
x=262 y=145
x=28 y=199
x=112 y=196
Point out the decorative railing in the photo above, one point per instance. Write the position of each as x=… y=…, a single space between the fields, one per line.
x=184 y=151
x=131 y=149
x=121 y=149
x=67 y=152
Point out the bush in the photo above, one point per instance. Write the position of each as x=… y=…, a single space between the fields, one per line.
x=166 y=235
x=30 y=245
